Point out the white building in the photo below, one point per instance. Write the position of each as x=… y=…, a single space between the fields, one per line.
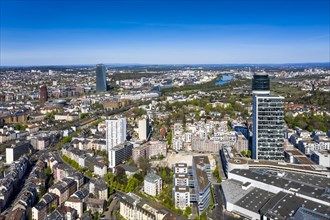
x=15 y=151
x=321 y=157
x=116 y=132
x=181 y=168
x=152 y=184
x=115 y=135
x=181 y=197
x=133 y=207
x=76 y=204
x=143 y=129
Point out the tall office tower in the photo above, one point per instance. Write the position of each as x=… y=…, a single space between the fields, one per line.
x=143 y=129
x=268 y=121
x=43 y=94
x=101 y=78
x=116 y=132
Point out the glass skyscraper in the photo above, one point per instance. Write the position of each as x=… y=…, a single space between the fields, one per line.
x=101 y=78
x=268 y=121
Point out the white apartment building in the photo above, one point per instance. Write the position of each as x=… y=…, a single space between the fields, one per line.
x=143 y=129
x=152 y=184
x=115 y=135
x=116 y=132
x=181 y=197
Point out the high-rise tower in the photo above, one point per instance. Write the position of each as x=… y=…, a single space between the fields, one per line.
x=43 y=95
x=101 y=78
x=116 y=135
x=116 y=132
x=268 y=121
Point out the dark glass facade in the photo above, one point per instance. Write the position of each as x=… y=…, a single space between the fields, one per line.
x=260 y=82
x=101 y=78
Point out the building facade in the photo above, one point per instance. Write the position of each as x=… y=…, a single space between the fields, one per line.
x=119 y=154
x=43 y=95
x=268 y=121
x=115 y=135
x=101 y=78
x=143 y=129
x=152 y=184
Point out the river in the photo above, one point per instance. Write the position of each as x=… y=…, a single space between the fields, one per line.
x=225 y=79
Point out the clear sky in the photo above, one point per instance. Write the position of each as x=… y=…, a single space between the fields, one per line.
x=51 y=32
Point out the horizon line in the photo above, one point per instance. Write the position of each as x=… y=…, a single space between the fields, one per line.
x=168 y=64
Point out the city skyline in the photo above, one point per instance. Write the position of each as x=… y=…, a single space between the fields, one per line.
x=155 y=32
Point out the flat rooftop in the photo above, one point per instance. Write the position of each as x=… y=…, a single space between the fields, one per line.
x=284 y=205
x=309 y=185
x=255 y=199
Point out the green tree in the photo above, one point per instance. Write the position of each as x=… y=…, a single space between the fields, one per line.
x=169 y=138
x=249 y=153
x=243 y=152
x=164 y=175
x=144 y=164
x=48 y=171
x=96 y=216
x=188 y=211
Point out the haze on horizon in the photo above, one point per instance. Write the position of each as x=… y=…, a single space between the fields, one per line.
x=49 y=32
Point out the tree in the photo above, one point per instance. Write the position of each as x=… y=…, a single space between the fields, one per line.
x=83 y=115
x=243 y=152
x=132 y=183
x=203 y=216
x=20 y=127
x=249 y=153
x=164 y=175
x=144 y=164
x=48 y=171
x=188 y=210
x=97 y=216
x=169 y=138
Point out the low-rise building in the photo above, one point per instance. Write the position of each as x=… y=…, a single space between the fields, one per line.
x=321 y=157
x=133 y=207
x=63 y=212
x=76 y=204
x=152 y=184
x=67 y=117
x=63 y=189
x=99 y=189
x=95 y=205
x=48 y=201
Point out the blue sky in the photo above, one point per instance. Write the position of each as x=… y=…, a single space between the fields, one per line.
x=39 y=32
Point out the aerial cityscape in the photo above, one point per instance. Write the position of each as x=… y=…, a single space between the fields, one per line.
x=165 y=110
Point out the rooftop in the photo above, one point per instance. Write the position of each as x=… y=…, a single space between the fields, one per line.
x=284 y=205
x=308 y=185
x=150 y=177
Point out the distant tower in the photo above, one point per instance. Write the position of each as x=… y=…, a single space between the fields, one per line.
x=101 y=78
x=43 y=94
x=268 y=121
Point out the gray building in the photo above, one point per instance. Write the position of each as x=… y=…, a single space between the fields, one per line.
x=101 y=78
x=268 y=121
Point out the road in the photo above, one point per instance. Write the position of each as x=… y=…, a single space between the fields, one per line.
x=218 y=211
x=59 y=158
